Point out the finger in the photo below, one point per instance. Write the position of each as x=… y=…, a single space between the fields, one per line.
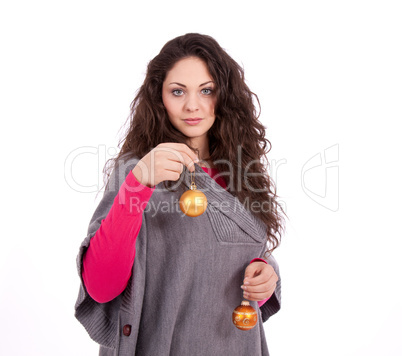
x=190 y=158
x=261 y=288
x=252 y=270
x=182 y=147
x=171 y=175
x=256 y=297
x=260 y=279
x=261 y=276
x=260 y=293
x=180 y=152
x=174 y=166
x=170 y=158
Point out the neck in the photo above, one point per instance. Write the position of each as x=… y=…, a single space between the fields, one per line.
x=203 y=148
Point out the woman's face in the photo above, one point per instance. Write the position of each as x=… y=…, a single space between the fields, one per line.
x=188 y=94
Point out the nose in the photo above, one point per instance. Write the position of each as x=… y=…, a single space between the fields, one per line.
x=191 y=103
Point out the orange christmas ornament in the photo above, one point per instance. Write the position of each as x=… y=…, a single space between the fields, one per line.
x=193 y=202
x=244 y=316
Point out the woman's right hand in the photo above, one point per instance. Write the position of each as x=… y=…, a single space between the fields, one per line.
x=164 y=162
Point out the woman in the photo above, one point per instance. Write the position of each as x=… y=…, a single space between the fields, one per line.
x=155 y=281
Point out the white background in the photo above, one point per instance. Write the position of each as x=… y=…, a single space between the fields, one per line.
x=328 y=74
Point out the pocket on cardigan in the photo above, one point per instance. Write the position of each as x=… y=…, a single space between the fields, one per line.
x=229 y=232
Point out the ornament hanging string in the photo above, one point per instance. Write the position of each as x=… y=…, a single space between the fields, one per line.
x=193 y=202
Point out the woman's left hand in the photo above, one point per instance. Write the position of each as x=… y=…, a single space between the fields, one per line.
x=259 y=281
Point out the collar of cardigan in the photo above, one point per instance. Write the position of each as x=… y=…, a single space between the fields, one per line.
x=229 y=205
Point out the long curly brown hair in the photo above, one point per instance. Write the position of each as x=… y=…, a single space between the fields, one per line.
x=236 y=127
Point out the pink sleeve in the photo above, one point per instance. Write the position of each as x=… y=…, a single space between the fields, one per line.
x=108 y=261
x=261 y=302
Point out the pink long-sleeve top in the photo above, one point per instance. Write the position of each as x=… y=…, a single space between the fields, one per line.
x=108 y=261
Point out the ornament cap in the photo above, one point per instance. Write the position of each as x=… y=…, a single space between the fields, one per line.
x=193 y=186
x=245 y=302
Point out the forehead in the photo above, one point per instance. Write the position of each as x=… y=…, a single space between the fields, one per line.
x=189 y=70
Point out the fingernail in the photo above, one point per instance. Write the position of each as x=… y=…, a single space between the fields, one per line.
x=196 y=160
x=243 y=287
x=245 y=295
x=246 y=282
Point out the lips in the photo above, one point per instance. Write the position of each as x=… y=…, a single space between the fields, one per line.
x=193 y=121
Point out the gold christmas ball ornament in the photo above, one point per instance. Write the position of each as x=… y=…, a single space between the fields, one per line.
x=244 y=316
x=193 y=202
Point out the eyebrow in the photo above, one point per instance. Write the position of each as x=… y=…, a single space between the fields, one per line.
x=182 y=85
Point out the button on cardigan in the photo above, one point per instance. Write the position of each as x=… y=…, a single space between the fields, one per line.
x=186 y=276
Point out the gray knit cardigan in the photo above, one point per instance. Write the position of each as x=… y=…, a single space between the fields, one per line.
x=186 y=277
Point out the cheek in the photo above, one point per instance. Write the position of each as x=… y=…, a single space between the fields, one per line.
x=212 y=105
x=165 y=100
x=169 y=105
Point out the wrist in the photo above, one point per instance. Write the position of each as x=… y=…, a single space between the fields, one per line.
x=137 y=172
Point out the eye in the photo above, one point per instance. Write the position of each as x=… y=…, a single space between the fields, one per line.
x=207 y=91
x=177 y=92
